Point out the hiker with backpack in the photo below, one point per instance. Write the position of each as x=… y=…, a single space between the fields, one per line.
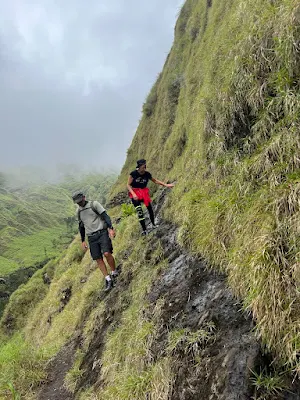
x=96 y=224
x=139 y=193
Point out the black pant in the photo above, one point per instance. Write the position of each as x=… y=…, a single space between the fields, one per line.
x=139 y=210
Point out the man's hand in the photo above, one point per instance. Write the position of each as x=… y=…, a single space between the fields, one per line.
x=84 y=246
x=111 y=233
x=170 y=185
x=135 y=197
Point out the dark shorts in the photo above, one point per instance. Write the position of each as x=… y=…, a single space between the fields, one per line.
x=100 y=243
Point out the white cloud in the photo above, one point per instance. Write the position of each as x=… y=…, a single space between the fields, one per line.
x=78 y=65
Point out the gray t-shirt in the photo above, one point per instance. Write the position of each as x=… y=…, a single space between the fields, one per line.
x=92 y=222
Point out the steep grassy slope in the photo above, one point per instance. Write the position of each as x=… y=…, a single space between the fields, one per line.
x=223 y=121
x=170 y=329
x=50 y=315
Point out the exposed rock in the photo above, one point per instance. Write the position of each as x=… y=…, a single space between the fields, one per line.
x=65 y=298
x=46 y=279
x=119 y=199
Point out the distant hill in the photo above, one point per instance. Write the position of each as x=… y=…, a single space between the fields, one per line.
x=36 y=222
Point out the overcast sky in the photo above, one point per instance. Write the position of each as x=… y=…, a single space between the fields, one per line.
x=74 y=75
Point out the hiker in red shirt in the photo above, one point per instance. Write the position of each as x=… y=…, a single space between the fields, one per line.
x=139 y=193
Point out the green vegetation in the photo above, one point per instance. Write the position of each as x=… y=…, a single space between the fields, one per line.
x=222 y=120
x=22 y=365
x=37 y=314
x=28 y=250
x=34 y=316
x=268 y=385
x=186 y=341
x=37 y=223
x=127 y=351
x=127 y=209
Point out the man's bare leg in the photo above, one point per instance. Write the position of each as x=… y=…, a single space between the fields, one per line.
x=108 y=281
x=111 y=261
x=102 y=267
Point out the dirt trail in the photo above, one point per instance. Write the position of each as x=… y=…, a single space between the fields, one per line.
x=54 y=387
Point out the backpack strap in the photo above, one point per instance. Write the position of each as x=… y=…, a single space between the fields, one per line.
x=78 y=216
x=99 y=215
x=94 y=210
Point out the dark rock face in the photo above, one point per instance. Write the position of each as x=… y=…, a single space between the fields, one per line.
x=195 y=298
x=119 y=199
x=11 y=282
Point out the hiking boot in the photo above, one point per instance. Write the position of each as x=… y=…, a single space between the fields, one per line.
x=108 y=285
x=114 y=275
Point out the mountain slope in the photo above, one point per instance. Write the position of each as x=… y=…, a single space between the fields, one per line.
x=170 y=329
x=34 y=221
x=37 y=224
x=223 y=121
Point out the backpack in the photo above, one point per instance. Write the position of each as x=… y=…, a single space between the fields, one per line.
x=96 y=212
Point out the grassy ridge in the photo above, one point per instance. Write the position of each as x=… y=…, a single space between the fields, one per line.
x=30 y=220
x=223 y=121
x=37 y=223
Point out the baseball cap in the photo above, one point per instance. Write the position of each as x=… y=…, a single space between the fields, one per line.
x=141 y=162
x=78 y=196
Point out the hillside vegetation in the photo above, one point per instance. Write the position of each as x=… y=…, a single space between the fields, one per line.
x=170 y=329
x=222 y=120
x=35 y=223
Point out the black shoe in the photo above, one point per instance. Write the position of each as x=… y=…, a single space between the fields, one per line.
x=144 y=233
x=114 y=276
x=108 y=285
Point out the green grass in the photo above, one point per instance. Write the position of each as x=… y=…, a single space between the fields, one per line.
x=37 y=222
x=190 y=342
x=268 y=385
x=7 y=265
x=223 y=121
x=28 y=250
x=23 y=301
x=27 y=343
x=21 y=367
x=33 y=305
x=127 y=352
